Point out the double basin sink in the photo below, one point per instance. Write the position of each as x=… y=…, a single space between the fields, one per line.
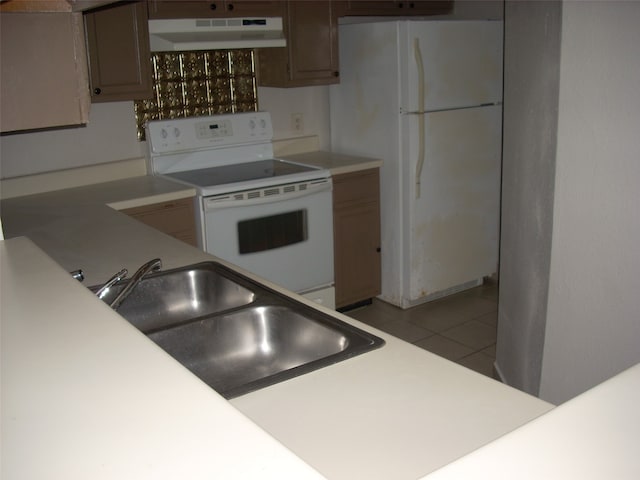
x=235 y=334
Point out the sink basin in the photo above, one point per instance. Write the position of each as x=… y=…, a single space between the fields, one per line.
x=175 y=296
x=241 y=351
x=235 y=334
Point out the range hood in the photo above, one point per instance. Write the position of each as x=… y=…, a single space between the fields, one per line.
x=215 y=33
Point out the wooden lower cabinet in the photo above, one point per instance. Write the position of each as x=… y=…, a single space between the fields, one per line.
x=175 y=218
x=356 y=224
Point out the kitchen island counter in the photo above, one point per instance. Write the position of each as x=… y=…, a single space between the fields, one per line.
x=86 y=395
x=114 y=398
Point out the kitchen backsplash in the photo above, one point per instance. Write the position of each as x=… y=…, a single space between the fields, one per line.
x=188 y=84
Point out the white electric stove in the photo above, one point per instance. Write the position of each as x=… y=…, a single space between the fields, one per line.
x=267 y=215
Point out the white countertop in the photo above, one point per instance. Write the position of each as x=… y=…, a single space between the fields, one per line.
x=93 y=397
x=591 y=437
x=337 y=163
x=81 y=228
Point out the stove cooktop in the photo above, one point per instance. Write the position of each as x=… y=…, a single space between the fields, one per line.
x=240 y=176
x=243 y=172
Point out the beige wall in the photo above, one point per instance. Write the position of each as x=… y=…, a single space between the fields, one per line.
x=110 y=135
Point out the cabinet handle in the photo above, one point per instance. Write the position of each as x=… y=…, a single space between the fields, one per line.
x=213 y=6
x=378 y=249
x=336 y=74
x=230 y=7
x=97 y=91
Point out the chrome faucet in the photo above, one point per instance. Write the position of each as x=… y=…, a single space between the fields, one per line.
x=151 y=266
x=104 y=289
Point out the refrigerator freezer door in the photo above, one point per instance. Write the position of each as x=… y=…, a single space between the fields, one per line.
x=462 y=63
x=454 y=225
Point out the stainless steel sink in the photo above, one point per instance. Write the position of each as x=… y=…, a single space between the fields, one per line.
x=175 y=296
x=235 y=353
x=235 y=334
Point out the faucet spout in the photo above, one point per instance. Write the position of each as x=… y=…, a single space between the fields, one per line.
x=150 y=266
x=102 y=291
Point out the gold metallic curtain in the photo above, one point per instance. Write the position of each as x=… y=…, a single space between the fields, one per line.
x=188 y=84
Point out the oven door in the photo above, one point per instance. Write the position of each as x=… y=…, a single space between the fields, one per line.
x=281 y=233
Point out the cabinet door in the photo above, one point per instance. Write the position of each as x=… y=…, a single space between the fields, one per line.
x=357 y=236
x=119 y=58
x=213 y=8
x=311 y=54
x=397 y=7
x=44 y=71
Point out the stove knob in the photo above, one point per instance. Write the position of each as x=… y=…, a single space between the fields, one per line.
x=263 y=123
x=252 y=124
x=176 y=132
x=163 y=133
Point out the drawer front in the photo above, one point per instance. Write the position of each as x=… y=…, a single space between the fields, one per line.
x=361 y=186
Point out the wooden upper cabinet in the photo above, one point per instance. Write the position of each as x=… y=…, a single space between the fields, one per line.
x=394 y=7
x=159 y=9
x=311 y=54
x=43 y=63
x=119 y=57
x=40 y=6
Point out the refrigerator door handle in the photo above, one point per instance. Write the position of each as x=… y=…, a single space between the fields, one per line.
x=418 y=56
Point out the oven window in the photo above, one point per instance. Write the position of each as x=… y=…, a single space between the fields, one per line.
x=275 y=231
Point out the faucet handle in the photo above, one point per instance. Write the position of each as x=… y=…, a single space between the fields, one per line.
x=78 y=275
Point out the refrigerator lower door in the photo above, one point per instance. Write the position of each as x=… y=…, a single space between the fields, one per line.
x=454 y=224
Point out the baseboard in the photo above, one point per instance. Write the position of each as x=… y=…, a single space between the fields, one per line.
x=441 y=294
x=353 y=306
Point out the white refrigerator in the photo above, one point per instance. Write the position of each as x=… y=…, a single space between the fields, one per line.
x=425 y=97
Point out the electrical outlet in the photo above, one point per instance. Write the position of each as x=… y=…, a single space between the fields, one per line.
x=297 y=122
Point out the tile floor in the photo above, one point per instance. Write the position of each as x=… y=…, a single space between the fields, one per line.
x=460 y=327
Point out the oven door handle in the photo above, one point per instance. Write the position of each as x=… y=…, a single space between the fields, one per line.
x=233 y=200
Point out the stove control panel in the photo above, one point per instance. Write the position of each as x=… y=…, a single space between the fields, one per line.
x=194 y=133
x=214 y=129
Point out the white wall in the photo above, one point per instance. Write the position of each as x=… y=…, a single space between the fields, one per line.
x=593 y=314
x=569 y=306
x=111 y=133
x=311 y=102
